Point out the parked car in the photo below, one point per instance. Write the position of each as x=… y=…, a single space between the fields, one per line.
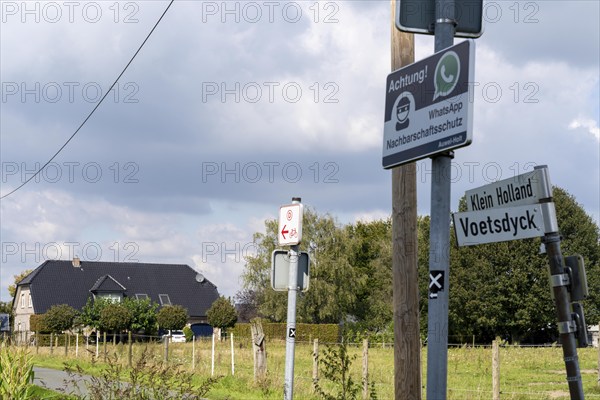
x=175 y=336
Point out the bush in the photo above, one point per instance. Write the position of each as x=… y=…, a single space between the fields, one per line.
x=172 y=317
x=189 y=334
x=147 y=380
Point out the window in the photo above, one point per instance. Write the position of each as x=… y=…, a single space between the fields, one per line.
x=164 y=299
x=22 y=300
x=113 y=297
x=141 y=296
x=30 y=301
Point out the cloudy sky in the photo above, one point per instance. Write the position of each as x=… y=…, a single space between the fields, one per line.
x=232 y=108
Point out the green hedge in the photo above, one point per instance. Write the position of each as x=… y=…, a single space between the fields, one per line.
x=326 y=333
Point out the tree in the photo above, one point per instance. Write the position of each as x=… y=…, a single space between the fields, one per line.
x=59 y=318
x=90 y=314
x=37 y=323
x=12 y=289
x=143 y=313
x=333 y=280
x=370 y=254
x=221 y=314
x=172 y=317
x=502 y=288
x=115 y=317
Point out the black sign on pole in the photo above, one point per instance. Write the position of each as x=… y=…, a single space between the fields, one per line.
x=418 y=16
x=436 y=283
x=428 y=106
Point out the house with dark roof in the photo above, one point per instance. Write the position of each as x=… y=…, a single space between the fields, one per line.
x=74 y=282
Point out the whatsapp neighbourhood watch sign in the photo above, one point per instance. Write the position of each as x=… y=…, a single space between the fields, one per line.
x=428 y=109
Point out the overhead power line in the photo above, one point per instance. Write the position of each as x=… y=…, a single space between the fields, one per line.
x=95 y=108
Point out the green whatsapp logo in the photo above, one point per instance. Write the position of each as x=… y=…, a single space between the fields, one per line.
x=446 y=74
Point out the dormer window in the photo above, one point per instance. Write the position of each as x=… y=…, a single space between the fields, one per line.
x=164 y=299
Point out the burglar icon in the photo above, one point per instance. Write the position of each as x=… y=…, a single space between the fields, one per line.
x=402 y=111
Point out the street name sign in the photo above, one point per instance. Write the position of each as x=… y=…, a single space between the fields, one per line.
x=428 y=106
x=418 y=16
x=499 y=224
x=520 y=190
x=280 y=270
x=289 y=232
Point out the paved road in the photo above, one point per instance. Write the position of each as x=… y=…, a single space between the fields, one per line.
x=57 y=380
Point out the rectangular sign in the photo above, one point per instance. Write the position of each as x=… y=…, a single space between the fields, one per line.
x=428 y=106
x=418 y=16
x=498 y=224
x=280 y=271
x=290 y=224
x=521 y=190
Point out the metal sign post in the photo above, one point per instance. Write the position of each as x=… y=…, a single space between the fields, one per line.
x=439 y=237
x=566 y=324
x=519 y=208
x=290 y=231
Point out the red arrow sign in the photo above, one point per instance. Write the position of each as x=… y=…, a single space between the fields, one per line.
x=284 y=231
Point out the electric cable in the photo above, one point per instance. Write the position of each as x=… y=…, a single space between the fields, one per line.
x=94 y=109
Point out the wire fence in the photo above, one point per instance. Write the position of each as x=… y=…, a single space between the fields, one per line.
x=532 y=372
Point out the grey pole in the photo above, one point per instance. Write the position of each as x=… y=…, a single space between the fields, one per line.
x=290 y=341
x=566 y=324
x=439 y=235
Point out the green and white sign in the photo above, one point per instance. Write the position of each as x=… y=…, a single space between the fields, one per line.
x=428 y=107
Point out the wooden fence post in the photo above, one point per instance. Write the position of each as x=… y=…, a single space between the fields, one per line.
x=66 y=344
x=232 y=355
x=165 y=348
x=259 y=350
x=77 y=345
x=104 y=346
x=130 y=352
x=51 y=342
x=496 y=369
x=193 y=352
x=365 y=369
x=315 y=374
x=212 y=356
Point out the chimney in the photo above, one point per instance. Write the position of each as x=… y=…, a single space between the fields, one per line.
x=76 y=262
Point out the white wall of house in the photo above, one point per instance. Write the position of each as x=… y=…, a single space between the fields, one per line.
x=22 y=309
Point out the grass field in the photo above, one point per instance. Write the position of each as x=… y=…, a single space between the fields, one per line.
x=525 y=373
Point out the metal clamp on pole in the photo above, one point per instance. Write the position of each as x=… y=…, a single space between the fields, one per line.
x=567 y=327
x=560 y=280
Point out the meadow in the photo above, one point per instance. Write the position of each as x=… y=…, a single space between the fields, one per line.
x=525 y=372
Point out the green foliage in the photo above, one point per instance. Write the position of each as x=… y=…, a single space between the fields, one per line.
x=172 y=317
x=143 y=315
x=189 y=333
x=221 y=313
x=503 y=289
x=333 y=281
x=115 y=317
x=147 y=380
x=12 y=289
x=335 y=367
x=495 y=289
x=60 y=318
x=90 y=314
x=16 y=373
x=37 y=323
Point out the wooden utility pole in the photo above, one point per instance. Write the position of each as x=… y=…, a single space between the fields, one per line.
x=407 y=349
